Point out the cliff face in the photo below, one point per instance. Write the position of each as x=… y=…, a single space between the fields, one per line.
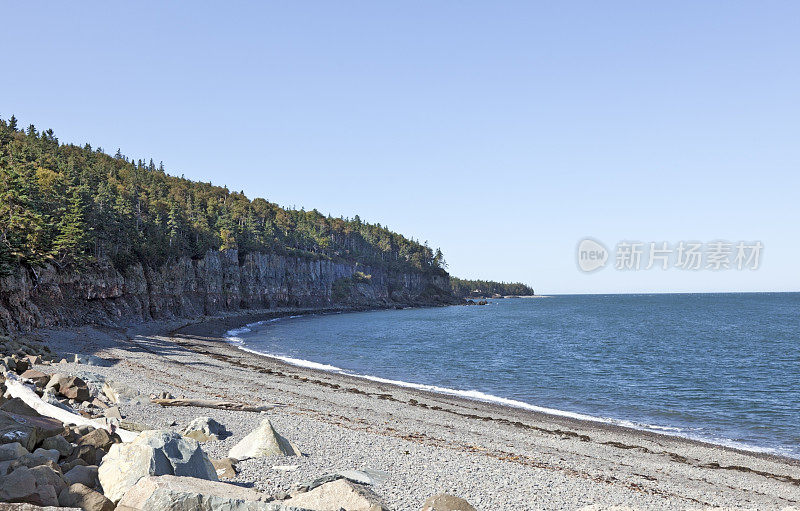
x=216 y=283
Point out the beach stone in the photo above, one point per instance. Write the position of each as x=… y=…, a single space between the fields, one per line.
x=336 y=495
x=20 y=506
x=27 y=430
x=171 y=493
x=39 y=378
x=48 y=475
x=445 y=502
x=204 y=429
x=84 y=474
x=99 y=439
x=50 y=454
x=90 y=454
x=49 y=397
x=71 y=387
x=58 y=443
x=156 y=452
x=80 y=495
x=118 y=392
x=112 y=412
x=21 y=486
x=66 y=466
x=33 y=460
x=226 y=468
x=22 y=366
x=12 y=451
x=263 y=441
x=19 y=407
x=34 y=359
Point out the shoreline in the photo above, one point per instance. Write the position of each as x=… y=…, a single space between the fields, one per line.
x=494 y=456
x=535 y=410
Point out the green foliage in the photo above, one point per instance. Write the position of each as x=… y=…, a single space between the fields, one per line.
x=71 y=204
x=360 y=277
x=466 y=288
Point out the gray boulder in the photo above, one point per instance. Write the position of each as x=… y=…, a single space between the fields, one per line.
x=84 y=474
x=204 y=429
x=261 y=442
x=152 y=453
x=338 y=494
x=59 y=443
x=171 y=493
x=21 y=486
x=446 y=502
x=12 y=451
x=79 y=495
x=118 y=392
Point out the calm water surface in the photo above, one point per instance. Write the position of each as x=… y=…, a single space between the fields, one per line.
x=718 y=367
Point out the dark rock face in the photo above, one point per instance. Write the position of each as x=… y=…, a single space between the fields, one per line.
x=213 y=284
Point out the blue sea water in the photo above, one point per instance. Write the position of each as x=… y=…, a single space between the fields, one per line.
x=723 y=368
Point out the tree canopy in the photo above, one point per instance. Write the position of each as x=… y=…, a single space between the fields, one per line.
x=466 y=288
x=69 y=205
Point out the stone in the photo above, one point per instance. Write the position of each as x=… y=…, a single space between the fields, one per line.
x=226 y=468
x=171 y=493
x=156 y=452
x=58 y=443
x=80 y=495
x=21 y=486
x=20 y=506
x=48 y=475
x=446 y=502
x=22 y=366
x=34 y=359
x=10 y=363
x=75 y=388
x=204 y=429
x=50 y=454
x=336 y=495
x=99 y=438
x=12 y=451
x=33 y=460
x=49 y=397
x=112 y=412
x=19 y=407
x=118 y=393
x=66 y=466
x=263 y=441
x=84 y=474
x=39 y=378
x=90 y=454
x=27 y=430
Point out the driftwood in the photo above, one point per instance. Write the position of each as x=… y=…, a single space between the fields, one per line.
x=209 y=403
x=15 y=388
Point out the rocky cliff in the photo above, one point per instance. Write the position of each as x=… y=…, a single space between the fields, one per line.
x=216 y=283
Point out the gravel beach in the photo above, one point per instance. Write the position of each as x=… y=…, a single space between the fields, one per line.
x=419 y=443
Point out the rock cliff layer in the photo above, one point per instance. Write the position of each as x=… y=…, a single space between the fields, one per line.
x=217 y=283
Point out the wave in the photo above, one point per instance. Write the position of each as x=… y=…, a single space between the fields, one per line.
x=232 y=336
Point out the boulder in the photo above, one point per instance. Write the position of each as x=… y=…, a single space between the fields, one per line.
x=21 y=486
x=84 y=474
x=48 y=475
x=226 y=468
x=118 y=392
x=336 y=495
x=18 y=506
x=39 y=378
x=58 y=443
x=263 y=441
x=33 y=460
x=171 y=493
x=112 y=412
x=99 y=438
x=12 y=451
x=19 y=407
x=156 y=452
x=90 y=454
x=22 y=366
x=66 y=466
x=73 y=387
x=27 y=430
x=204 y=429
x=446 y=502
x=79 y=495
x=50 y=454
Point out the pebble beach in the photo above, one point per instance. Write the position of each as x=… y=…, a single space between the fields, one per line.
x=415 y=443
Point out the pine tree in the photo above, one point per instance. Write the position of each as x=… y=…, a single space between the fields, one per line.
x=73 y=239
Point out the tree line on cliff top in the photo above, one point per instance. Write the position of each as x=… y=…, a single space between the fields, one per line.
x=68 y=205
x=465 y=288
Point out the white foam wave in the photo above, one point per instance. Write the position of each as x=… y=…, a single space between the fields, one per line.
x=232 y=337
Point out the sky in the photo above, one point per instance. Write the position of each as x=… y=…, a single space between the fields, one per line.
x=502 y=132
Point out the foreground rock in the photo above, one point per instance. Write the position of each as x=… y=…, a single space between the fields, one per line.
x=336 y=495
x=27 y=430
x=21 y=485
x=153 y=453
x=79 y=495
x=263 y=441
x=226 y=468
x=171 y=493
x=204 y=429
x=5 y=506
x=446 y=502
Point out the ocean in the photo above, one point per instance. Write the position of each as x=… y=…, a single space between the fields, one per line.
x=723 y=368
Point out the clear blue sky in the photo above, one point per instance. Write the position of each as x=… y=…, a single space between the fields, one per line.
x=503 y=132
